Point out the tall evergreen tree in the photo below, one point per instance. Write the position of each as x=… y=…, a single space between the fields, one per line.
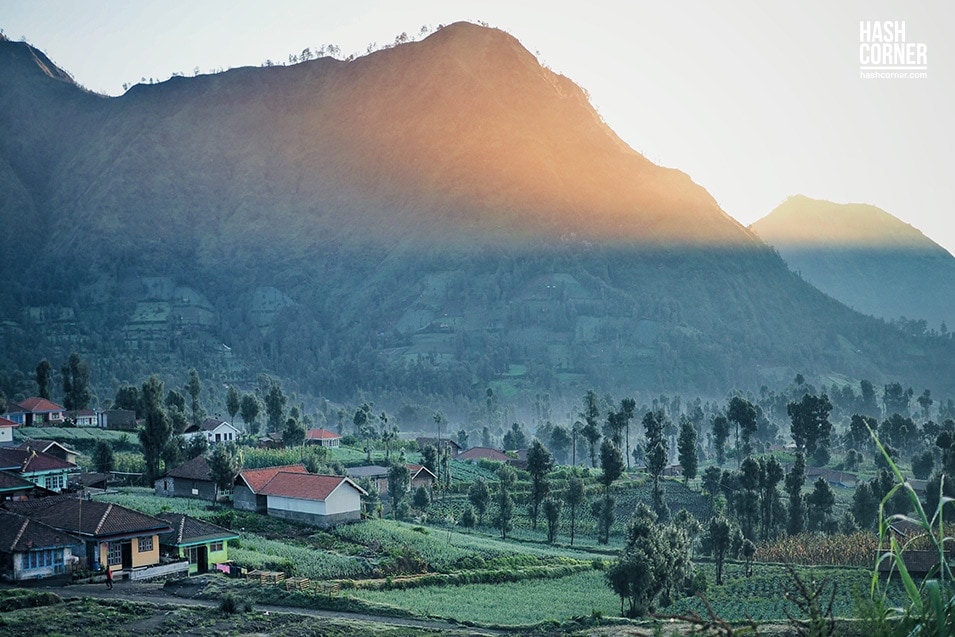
x=574 y=497
x=743 y=414
x=686 y=449
x=156 y=429
x=657 y=454
x=224 y=463
x=506 y=478
x=233 y=403
x=194 y=389
x=76 y=384
x=539 y=464
x=249 y=409
x=795 y=480
x=721 y=432
x=44 y=379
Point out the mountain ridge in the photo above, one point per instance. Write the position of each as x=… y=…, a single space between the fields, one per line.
x=427 y=220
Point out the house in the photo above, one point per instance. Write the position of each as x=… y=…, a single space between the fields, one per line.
x=484 y=453
x=51 y=447
x=31 y=550
x=447 y=444
x=191 y=479
x=13 y=487
x=247 y=487
x=271 y=440
x=82 y=417
x=378 y=475
x=6 y=431
x=113 y=536
x=203 y=544
x=315 y=499
x=214 y=430
x=35 y=412
x=322 y=437
x=117 y=419
x=38 y=467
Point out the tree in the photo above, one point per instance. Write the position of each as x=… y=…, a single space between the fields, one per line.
x=611 y=464
x=156 y=429
x=657 y=453
x=44 y=379
x=194 y=389
x=463 y=438
x=468 y=520
x=196 y=447
x=603 y=512
x=712 y=476
x=76 y=384
x=895 y=399
x=922 y=464
x=233 y=403
x=810 y=422
x=795 y=480
x=819 y=505
x=719 y=540
x=721 y=432
x=128 y=398
x=515 y=438
x=590 y=430
x=539 y=464
x=294 y=433
x=925 y=402
x=421 y=498
x=574 y=497
x=275 y=402
x=559 y=443
x=249 y=410
x=770 y=475
x=506 y=478
x=224 y=465
x=552 y=515
x=686 y=450
x=399 y=479
x=743 y=414
x=103 y=457
x=479 y=496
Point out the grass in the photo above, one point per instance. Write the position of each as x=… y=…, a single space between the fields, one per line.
x=506 y=604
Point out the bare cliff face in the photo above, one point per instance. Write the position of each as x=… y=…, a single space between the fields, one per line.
x=446 y=209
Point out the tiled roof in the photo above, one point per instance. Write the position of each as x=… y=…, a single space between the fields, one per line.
x=39 y=405
x=12 y=482
x=195 y=469
x=88 y=517
x=368 y=471
x=43 y=445
x=7 y=423
x=187 y=530
x=210 y=424
x=484 y=453
x=19 y=533
x=31 y=461
x=255 y=479
x=305 y=486
x=416 y=469
x=321 y=434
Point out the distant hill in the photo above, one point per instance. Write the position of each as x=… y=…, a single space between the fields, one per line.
x=864 y=257
x=418 y=224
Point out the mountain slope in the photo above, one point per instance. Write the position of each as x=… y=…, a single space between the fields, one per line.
x=428 y=220
x=864 y=257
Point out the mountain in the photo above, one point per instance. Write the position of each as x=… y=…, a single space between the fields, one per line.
x=419 y=224
x=864 y=257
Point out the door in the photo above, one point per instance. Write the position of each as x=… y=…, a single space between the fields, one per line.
x=127 y=555
x=202 y=559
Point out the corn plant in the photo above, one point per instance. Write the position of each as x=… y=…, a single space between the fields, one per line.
x=930 y=604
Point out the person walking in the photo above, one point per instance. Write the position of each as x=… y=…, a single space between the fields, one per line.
x=109 y=578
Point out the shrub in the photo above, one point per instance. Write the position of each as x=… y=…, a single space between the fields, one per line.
x=231 y=604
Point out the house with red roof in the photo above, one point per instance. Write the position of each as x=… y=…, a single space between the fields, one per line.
x=246 y=490
x=40 y=468
x=322 y=437
x=35 y=412
x=6 y=430
x=321 y=500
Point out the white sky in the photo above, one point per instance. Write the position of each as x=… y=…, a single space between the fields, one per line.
x=755 y=100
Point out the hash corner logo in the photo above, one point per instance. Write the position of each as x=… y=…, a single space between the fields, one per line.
x=886 y=53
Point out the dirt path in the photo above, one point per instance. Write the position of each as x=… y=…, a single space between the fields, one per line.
x=155 y=593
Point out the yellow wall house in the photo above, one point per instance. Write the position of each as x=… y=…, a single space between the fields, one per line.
x=115 y=537
x=204 y=545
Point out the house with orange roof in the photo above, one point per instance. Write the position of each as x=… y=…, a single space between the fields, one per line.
x=246 y=490
x=322 y=437
x=316 y=499
x=6 y=430
x=35 y=412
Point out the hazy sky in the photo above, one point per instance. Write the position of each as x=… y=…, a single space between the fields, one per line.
x=755 y=100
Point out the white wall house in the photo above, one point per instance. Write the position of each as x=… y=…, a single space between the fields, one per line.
x=214 y=430
x=315 y=499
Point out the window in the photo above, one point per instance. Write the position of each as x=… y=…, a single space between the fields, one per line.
x=114 y=554
x=145 y=544
x=215 y=546
x=193 y=555
x=55 y=482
